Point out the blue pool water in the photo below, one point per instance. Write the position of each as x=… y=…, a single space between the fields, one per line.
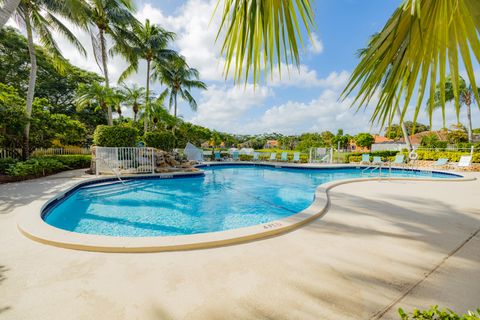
x=227 y=197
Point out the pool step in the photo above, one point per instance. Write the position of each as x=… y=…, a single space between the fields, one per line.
x=111 y=190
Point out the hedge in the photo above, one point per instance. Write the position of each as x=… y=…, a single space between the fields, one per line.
x=357 y=156
x=35 y=167
x=115 y=136
x=71 y=161
x=160 y=140
x=453 y=156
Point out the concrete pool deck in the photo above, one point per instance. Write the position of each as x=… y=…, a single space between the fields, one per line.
x=381 y=245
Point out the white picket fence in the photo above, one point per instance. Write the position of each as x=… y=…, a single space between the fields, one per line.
x=124 y=160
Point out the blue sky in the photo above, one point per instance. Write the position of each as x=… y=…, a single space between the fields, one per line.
x=307 y=101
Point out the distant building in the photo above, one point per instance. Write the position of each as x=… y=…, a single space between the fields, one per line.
x=272 y=144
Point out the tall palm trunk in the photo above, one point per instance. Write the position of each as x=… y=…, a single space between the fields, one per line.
x=31 y=85
x=469 y=126
x=105 y=73
x=7 y=10
x=175 y=101
x=147 y=99
x=404 y=130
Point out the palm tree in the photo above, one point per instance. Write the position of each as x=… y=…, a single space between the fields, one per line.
x=179 y=79
x=412 y=49
x=148 y=42
x=108 y=17
x=466 y=97
x=39 y=16
x=134 y=96
x=117 y=99
x=267 y=29
x=94 y=94
x=7 y=10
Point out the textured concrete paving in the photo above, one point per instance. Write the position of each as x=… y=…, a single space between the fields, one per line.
x=381 y=245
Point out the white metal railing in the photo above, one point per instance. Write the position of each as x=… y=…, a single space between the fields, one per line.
x=124 y=160
x=324 y=155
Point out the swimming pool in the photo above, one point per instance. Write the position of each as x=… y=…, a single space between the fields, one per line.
x=226 y=197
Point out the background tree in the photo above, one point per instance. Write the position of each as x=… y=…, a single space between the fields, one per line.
x=148 y=42
x=108 y=17
x=39 y=16
x=364 y=140
x=134 y=97
x=466 y=98
x=96 y=95
x=180 y=79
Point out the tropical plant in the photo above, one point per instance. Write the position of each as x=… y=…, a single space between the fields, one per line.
x=108 y=17
x=40 y=16
x=180 y=79
x=148 y=42
x=134 y=97
x=413 y=48
x=466 y=97
x=268 y=29
x=95 y=94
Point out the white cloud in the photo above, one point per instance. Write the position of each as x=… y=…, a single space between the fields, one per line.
x=316 y=45
x=322 y=113
x=304 y=77
x=222 y=108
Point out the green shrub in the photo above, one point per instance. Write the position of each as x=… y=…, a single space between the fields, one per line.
x=386 y=155
x=161 y=140
x=115 y=136
x=71 y=161
x=435 y=314
x=457 y=136
x=35 y=168
x=5 y=163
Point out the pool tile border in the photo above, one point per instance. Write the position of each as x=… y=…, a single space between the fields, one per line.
x=32 y=225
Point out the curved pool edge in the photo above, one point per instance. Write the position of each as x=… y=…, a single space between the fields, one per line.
x=35 y=228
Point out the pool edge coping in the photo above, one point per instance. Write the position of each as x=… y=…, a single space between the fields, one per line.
x=35 y=228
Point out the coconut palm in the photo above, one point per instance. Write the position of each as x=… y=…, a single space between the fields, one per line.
x=466 y=98
x=147 y=42
x=40 y=17
x=412 y=49
x=108 y=17
x=135 y=97
x=94 y=94
x=7 y=10
x=180 y=79
x=267 y=29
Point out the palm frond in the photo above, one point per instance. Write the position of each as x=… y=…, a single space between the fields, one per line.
x=421 y=40
x=268 y=29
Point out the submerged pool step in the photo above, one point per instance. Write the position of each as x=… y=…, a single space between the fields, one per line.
x=111 y=189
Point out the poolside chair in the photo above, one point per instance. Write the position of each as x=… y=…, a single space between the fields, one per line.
x=365 y=158
x=441 y=162
x=296 y=157
x=273 y=156
x=377 y=160
x=464 y=162
x=218 y=156
x=235 y=156
x=256 y=156
x=284 y=157
x=399 y=159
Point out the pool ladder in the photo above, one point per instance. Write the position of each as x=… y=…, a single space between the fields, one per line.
x=375 y=170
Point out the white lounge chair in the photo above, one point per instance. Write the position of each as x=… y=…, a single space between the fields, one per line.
x=464 y=162
x=273 y=156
